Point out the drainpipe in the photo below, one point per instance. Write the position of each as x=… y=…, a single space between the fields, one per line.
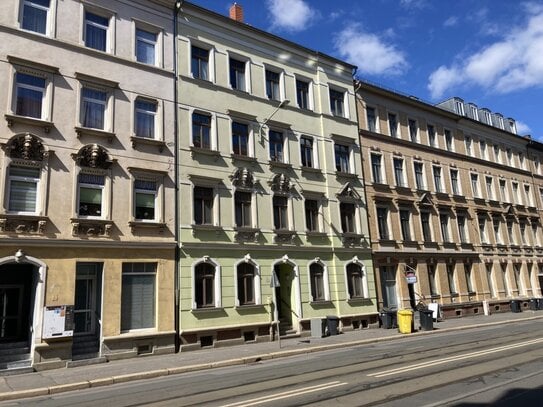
x=176 y=273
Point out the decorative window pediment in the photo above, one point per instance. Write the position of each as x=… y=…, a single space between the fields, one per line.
x=280 y=183
x=93 y=156
x=347 y=191
x=26 y=147
x=426 y=200
x=243 y=178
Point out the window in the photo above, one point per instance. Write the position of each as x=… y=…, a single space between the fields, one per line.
x=509 y=155
x=482 y=147
x=372 y=119
x=342 y=158
x=316 y=278
x=489 y=188
x=93 y=108
x=497 y=155
x=240 y=138
x=201 y=131
x=444 y=224
x=535 y=234
x=312 y=215
x=348 y=221
x=450 y=279
x=413 y=130
x=432 y=280
x=521 y=161
x=467 y=141
x=455 y=185
x=510 y=232
x=475 y=185
x=516 y=197
x=376 y=169
x=203 y=205
x=449 y=145
x=503 y=190
x=200 y=63
x=355 y=283
x=146 y=118
x=522 y=228
x=302 y=94
x=145 y=198
x=393 y=125
x=243 y=208
x=504 y=279
x=518 y=281
x=272 y=85
x=204 y=289
x=306 y=151
x=36 y=15
x=461 y=222
x=490 y=281
x=23 y=189
x=96 y=31
x=146 y=47
x=528 y=194
x=91 y=195
x=138 y=296
x=276 y=146
x=419 y=175
x=438 y=183
x=496 y=225
x=405 y=223
x=382 y=223
x=482 y=230
x=432 y=136
x=30 y=91
x=246 y=284
x=426 y=226
x=398 y=172
x=237 y=74
x=280 y=212
x=337 y=103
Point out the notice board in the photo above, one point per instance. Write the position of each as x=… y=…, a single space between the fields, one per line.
x=58 y=321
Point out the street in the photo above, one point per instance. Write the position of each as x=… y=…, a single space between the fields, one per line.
x=496 y=365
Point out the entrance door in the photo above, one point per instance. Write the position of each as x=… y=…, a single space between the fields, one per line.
x=283 y=295
x=11 y=308
x=87 y=300
x=388 y=284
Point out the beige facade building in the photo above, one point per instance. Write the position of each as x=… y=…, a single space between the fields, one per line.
x=86 y=180
x=273 y=229
x=454 y=204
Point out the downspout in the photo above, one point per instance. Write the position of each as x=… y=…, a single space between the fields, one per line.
x=176 y=273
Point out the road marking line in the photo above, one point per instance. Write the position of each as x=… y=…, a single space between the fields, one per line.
x=283 y=395
x=422 y=365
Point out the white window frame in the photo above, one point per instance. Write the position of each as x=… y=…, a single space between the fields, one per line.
x=106 y=192
x=376 y=117
x=504 y=193
x=286 y=150
x=458 y=182
x=50 y=18
x=281 y=73
x=497 y=231
x=212 y=129
x=217 y=294
x=381 y=172
x=325 y=279
x=468 y=142
x=254 y=212
x=350 y=156
x=387 y=222
x=345 y=106
x=482 y=227
x=528 y=196
x=365 y=290
x=423 y=186
x=475 y=187
x=462 y=227
x=310 y=99
x=108 y=105
x=320 y=222
x=315 y=151
x=397 y=132
x=250 y=137
x=446 y=133
x=515 y=192
x=489 y=186
x=447 y=228
x=210 y=60
x=483 y=150
x=290 y=215
x=32 y=180
x=212 y=183
x=158 y=117
x=256 y=281
x=356 y=215
x=402 y=183
x=417 y=130
x=110 y=29
x=158 y=44
x=158 y=179
x=441 y=187
x=497 y=154
x=47 y=98
x=246 y=74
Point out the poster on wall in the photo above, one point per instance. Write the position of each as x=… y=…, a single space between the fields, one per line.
x=58 y=321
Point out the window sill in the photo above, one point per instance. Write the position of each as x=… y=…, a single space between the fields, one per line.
x=351 y=239
x=85 y=131
x=279 y=164
x=196 y=228
x=13 y=118
x=146 y=225
x=357 y=300
x=248 y=307
x=91 y=227
x=311 y=170
x=283 y=236
x=245 y=158
x=147 y=141
x=207 y=310
x=321 y=303
x=246 y=234
x=314 y=233
x=29 y=224
x=342 y=174
x=204 y=151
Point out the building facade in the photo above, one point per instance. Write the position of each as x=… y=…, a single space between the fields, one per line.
x=86 y=179
x=273 y=228
x=454 y=204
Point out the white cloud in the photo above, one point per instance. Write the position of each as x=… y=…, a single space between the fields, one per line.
x=511 y=64
x=413 y=3
x=522 y=128
x=291 y=15
x=369 y=52
x=451 y=21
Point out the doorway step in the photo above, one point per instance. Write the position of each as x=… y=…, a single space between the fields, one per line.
x=85 y=351
x=286 y=330
x=15 y=358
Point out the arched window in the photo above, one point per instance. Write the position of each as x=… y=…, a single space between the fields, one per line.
x=246 y=284
x=316 y=276
x=355 y=280
x=204 y=285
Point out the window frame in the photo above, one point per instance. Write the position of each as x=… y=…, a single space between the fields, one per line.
x=252 y=210
x=250 y=138
x=153 y=274
x=244 y=81
x=377 y=168
x=426 y=219
x=50 y=17
x=212 y=130
x=438 y=179
x=217 y=294
x=405 y=224
x=108 y=105
x=420 y=177
x=449 y=140
x=256 y=281
x=456 y=187
x=36 y=181
x=313 y=152
x=399 y=172
x=43 y=72
x=393 y=130
x=489 y=184
x=156 y=115
x=338 y=102
x=109 y=29
x=316 y=219
x=382 y=214
x=474 y=178
x=432 y=135
x=444 y=226
x=305 y=102
x=374 y=128
x=158 y=44
x=210 y=72
x=363 y=283
x=284 y=158
x=281 y=207
x=451 y=278
x=463 y=235
x=280 y=83
x=414 y=138
x=343 y=157
x=348 y=218
x=325 y=281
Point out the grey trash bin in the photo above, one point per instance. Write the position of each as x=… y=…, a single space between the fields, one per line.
x=534 y=304
x=332 y=322
x=426 y=320
x=515 y=306
x=387 y=319
x=318 y=327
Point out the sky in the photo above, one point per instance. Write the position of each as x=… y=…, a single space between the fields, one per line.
x=489 y=52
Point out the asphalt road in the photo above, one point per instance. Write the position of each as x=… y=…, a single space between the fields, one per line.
x=498 y=366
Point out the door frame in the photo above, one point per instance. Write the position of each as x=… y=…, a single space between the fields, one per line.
x=297 y=305
x=40 y=274
x=93 y=308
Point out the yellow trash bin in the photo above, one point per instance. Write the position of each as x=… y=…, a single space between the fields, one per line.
x=405 y=321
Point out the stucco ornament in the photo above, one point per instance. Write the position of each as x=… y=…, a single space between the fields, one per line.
x=93 y=156
x=26 y=147
x=243 y=178
x=281 y=183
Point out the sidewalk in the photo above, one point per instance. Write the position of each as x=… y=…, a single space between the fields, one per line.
x=82 y=377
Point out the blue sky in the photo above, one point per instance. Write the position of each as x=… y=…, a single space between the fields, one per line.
x=489 y=52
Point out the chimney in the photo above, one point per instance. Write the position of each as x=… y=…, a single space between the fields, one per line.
x=236 y=12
